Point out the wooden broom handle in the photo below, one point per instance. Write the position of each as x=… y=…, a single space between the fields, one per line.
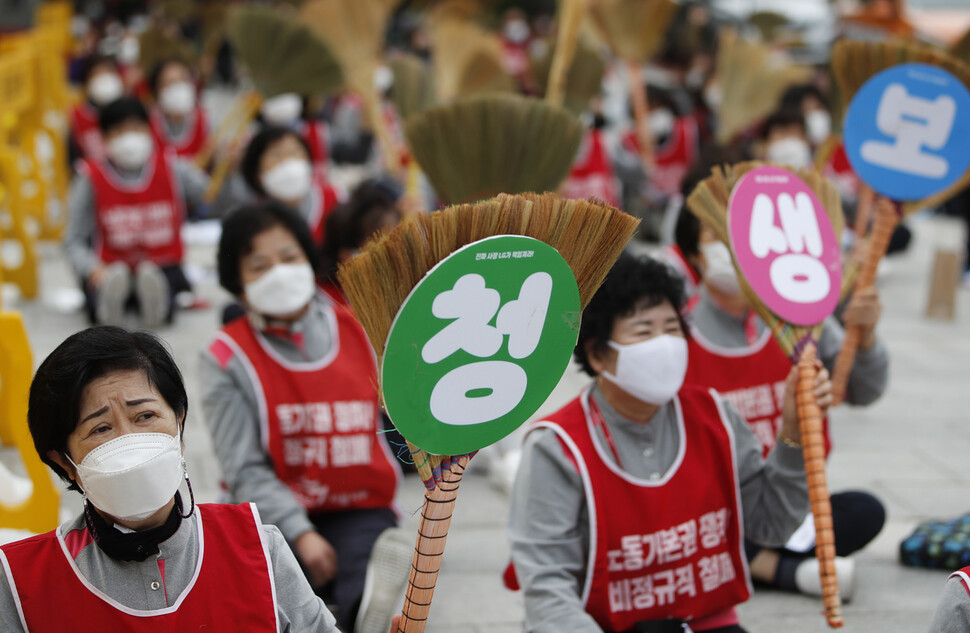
x=641 y=114
x=813 y=450
x=439 y=504
x=886 y=218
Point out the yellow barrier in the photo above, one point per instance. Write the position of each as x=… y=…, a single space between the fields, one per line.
x=18 y=95
x=39 y=512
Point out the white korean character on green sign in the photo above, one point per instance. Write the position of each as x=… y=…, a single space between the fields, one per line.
x=480 y=343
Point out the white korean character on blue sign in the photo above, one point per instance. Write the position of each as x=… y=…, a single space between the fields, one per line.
x=906 y=131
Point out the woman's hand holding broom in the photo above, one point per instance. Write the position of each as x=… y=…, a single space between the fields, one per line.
x=790 y=428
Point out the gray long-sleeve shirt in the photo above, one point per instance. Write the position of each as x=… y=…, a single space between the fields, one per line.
x=549 y=516
x=230 y=406
x=130 y=582
x=870 y=372
x=953 y=613
x=82 y=205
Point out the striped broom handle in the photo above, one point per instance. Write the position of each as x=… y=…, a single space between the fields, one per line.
x=813 y=450
x=885 y=221
x=439 y=504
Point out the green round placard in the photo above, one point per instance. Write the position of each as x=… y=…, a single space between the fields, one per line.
x=480 y=343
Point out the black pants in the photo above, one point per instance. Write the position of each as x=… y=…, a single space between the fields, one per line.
x=177 y=282
x=857 y=518
x=352 y=534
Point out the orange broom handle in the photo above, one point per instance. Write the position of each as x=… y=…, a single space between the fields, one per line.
x=641 y=114
x=886 y=219
x=813 y=450
x=439 y=504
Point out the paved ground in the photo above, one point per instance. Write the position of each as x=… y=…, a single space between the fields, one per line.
x=908 y=449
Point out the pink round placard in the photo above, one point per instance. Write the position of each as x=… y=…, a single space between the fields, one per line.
x=785 y=245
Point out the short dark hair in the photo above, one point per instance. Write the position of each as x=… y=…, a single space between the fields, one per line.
x=156 y=74
x=244 y=224
x=794 y=96
x=270 y=135
x=632 y=279
x=120 y=111
x=93 y=62
x=54 y=403
x=351 y=224
x=782 y=118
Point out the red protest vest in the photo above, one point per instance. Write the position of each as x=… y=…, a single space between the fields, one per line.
x=751 y=378
x=233 y=587
x=317 y=136
x=324 y=199
x=964 y=576
x=674 y=158
x=138 y=221
x=592 y=172
x=319 y=421
x=86 y=133
x=192 y=139
x=671 y=548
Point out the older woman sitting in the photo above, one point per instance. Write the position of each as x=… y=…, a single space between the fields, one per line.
x=107 y=413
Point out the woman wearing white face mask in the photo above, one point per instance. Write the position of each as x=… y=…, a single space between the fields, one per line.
x=642 y=482
x=123 y=236
x=102 y=85
x=277 y=166
x=177 y=119
x=289 y=394
x=107 y=411
x=732 y=350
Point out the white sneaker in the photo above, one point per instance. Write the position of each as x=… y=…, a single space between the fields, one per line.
x=113 y=294
x=809 y=582
x=386 y=580
x=151 y=287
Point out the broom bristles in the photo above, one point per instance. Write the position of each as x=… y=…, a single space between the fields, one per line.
x=584 y=76
x=281 y=54
x=709 y=202
x=753 y=80
x=590 y=235
x=466 y=58
x=413 y=89
x=634 y=29
x=479 y=147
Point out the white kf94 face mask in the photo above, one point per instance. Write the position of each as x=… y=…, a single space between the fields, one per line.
x=289 y=180
x=177 y=99
x=133 y=476
x=719 y=269
x=282 y=290
x=653 y=370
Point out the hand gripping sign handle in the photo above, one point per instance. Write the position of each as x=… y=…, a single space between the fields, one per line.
x=813 y=449
x=885 y=221
x=439 y=504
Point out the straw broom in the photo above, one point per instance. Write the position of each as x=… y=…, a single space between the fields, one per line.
x=354 y=30
x=584 y=77
x=709 y=202
x=588 y=235
x=157 y=44
x=467 y=59
x=961 y=48
x=635 y=30
x=570 y=18
x=482 y=146
x=413 y=87
x=854 y=63
x=753 y=79
x=281 y=56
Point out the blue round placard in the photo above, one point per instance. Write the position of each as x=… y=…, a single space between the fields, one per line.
x=907 y=131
